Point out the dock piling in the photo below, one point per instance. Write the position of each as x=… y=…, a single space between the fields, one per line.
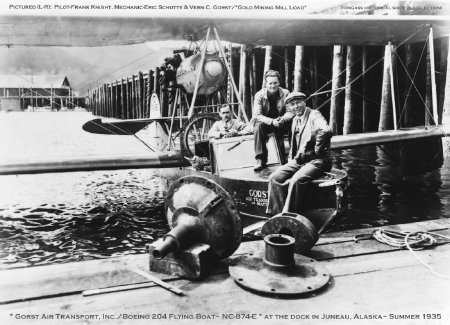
x=336 y=112
x=298 y=76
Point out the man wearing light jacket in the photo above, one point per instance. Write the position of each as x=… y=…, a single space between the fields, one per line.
x=309 y=157
x=227 y=127
x=269 y=115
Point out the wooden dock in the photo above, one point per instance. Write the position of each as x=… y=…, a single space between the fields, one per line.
x=371 y=283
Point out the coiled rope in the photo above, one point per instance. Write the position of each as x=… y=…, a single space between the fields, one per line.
x=412 y=241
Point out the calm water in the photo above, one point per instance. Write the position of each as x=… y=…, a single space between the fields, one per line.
x=53 y=218
x=380 y=193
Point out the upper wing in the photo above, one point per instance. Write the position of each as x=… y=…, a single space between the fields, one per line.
x=282 y=29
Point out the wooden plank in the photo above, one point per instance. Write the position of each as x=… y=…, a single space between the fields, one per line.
x=359 y=285
x=347 y=235
x=59 y=279
x=347 y=249
x=392 y=260
x=364 y=294
x=26 y=283
x=340 y=249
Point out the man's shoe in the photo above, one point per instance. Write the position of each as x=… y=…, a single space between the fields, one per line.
x=260 y=165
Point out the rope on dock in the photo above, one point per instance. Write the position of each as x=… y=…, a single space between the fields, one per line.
x=413 y=241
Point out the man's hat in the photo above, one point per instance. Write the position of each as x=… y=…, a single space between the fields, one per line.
x=295 y=95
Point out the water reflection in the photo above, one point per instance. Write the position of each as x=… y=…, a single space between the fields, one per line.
x=79 y=216
x=380 y=193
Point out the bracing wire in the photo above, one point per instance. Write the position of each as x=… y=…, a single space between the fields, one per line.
x=412 y=80
x=415 y=87
x=361 y=74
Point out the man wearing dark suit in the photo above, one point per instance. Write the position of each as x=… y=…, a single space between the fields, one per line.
x=309 y=157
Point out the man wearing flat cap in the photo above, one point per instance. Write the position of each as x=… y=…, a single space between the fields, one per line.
x=309 y=157
x=269 y=115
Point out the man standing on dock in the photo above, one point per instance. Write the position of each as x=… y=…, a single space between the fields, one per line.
x=309 y=157
x=269 y=115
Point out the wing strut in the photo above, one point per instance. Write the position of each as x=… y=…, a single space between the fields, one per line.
x=215 y=38
x=241 y=105
x=202 y=60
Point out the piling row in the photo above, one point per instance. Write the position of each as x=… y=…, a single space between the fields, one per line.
x=361 y=88
x=127 y=98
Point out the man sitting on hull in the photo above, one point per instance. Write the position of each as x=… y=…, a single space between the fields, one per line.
x=227 y=127
x=269 y=115
x=309 y=157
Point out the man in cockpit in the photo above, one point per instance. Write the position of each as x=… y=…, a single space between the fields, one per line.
x=309 y=157
x=269 y=115
x=227 y=127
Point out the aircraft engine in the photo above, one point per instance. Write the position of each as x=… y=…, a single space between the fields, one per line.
x=212 y=75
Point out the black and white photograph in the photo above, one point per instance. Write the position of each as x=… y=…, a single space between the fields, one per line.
x=224 y=162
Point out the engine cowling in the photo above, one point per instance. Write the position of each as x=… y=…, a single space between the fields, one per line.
x=211 y=76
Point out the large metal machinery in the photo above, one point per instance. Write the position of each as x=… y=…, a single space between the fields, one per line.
x=211 y=76
x=206 y=227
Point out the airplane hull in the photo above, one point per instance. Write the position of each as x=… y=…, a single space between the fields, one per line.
x=249 y=191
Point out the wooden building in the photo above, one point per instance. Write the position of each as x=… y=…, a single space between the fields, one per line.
x=37 y=92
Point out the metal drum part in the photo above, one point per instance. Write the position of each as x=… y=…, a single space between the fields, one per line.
x=200 y=211
x=276 y=270
x=300 y=228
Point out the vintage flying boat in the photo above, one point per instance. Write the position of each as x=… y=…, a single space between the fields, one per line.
x=202 y=74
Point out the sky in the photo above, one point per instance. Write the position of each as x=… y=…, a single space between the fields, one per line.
x=86 y=67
